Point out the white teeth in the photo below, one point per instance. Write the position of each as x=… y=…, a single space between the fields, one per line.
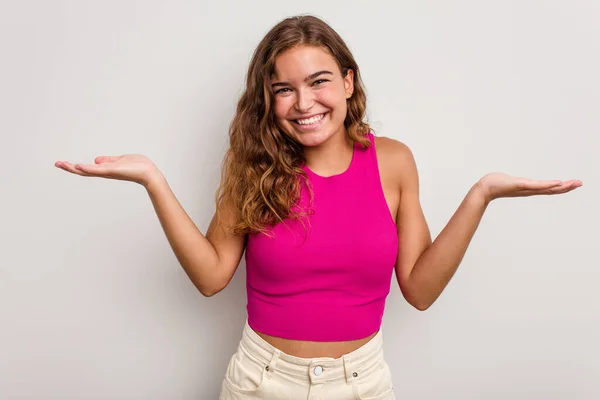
x=310 y=120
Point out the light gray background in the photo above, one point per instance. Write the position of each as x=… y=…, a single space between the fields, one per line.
x=93 y=304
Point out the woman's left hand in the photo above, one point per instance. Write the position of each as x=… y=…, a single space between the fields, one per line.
x=496 y=185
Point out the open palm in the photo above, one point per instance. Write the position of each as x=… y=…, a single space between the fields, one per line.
x=129 y=167
x=496 y=185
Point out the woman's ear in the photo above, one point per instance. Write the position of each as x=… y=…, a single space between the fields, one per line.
x=349 y=83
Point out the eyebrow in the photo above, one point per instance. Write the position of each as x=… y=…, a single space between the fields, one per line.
x=308 y=78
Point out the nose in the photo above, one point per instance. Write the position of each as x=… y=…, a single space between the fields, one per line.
x=304 y=100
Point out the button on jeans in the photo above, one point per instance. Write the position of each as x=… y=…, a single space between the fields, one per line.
x=260 y=371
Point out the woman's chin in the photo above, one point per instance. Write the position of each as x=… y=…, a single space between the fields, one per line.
x=312 y=139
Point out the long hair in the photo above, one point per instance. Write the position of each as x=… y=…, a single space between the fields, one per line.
x=261 y=170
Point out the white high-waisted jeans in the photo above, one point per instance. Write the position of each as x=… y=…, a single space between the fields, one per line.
x=260 y=371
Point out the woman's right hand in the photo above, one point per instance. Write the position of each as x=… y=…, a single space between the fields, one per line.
x=129 y=167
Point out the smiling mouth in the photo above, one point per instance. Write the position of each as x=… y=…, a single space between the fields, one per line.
x=307 y=122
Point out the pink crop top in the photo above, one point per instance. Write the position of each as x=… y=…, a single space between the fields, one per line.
x=330 y=281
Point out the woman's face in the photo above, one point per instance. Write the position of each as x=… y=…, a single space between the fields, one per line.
x=310 y=95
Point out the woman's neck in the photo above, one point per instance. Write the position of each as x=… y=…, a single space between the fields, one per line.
x=332 y=157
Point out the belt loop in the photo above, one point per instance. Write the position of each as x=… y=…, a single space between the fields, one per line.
x=271 y=367
x=349 y=372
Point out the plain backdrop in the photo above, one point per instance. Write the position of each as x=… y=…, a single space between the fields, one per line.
x=93 y=304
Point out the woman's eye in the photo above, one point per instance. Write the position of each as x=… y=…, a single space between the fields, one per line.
x=318 y=82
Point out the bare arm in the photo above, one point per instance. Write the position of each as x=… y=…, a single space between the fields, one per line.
x=209 y=261
x=424 y=268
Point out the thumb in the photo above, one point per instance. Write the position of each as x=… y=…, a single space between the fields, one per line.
x=103 y=159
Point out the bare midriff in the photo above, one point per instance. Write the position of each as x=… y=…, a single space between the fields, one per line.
x=308 y=349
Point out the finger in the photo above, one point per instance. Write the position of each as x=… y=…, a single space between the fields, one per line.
x=70 y=168
x=575 y=182
x=90 y=169
x=103 y=159
x=563 y=188
x=529 y=184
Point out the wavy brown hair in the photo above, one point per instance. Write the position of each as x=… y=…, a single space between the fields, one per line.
x=261 y=169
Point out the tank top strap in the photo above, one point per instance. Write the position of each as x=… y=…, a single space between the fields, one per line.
x=364 y=162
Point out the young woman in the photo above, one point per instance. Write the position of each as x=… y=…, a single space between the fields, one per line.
x=325 y=212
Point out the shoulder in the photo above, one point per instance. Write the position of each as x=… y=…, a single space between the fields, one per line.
x=395 y=158
x=388 y=147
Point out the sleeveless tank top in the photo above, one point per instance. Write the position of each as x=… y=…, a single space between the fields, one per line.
x=326 y=278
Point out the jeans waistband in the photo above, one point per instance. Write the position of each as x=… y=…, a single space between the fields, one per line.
x=320 y=369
